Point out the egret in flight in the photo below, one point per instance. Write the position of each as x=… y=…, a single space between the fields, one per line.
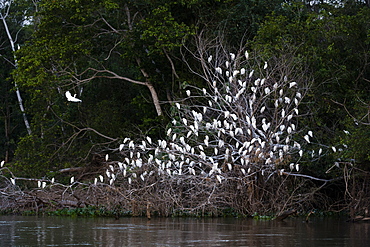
x=72 y=98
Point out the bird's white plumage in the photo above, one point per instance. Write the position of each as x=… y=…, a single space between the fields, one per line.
x=72 y=98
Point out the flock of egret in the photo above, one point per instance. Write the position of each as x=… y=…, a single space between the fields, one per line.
x=248 y=125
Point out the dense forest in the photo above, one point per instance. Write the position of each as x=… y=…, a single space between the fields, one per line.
x=189 y=106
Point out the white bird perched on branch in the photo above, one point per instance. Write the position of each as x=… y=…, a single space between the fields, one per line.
x=232 y=56
x=307 y=138
x=72 y=98
x=246 y=55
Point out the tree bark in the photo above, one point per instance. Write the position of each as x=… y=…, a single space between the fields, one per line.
x=20 y=102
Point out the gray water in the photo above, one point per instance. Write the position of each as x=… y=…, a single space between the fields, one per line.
x=64 y=231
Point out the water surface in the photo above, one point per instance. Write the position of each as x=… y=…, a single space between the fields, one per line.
x=65 y=231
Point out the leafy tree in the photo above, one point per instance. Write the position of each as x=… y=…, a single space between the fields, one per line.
x=105 y=52
x=13 y=33
x=334 y=44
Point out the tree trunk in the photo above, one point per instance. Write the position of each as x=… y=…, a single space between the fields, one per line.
x=20 y=102
x=155 y=98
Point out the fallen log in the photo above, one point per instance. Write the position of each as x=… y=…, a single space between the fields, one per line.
x=285 y=214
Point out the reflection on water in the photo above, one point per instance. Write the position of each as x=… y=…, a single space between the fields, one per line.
x=63 y=231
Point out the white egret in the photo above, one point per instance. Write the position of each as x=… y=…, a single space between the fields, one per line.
x=39 y=184
x=149 y=140
x=230 y=79
x=242 y=170
x=2 y=163
x=221 y=143
x=265 y=66
x=282 y=113
x=12 y=180
x=204 y=109
x=310 y=133
x=292 y=84
x=188 y=93
x=189 y=133
x=246 y=54
x=232 y=56
x=131 y=144
x=185 y=121
x=257 y=82
x=307 y=138
x=101 y=178
x=262 y=109
x=95 y=181
x=238 y=131
x=265 y=126
x=219 y=70
x=169 y=131
x=72 y=180
x=72 y=98
x=210 y=58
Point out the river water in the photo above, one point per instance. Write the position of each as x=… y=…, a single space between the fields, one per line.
x=65 y=231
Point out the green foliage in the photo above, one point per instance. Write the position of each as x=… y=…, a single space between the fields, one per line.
x=333 y=44
x=162 y=28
